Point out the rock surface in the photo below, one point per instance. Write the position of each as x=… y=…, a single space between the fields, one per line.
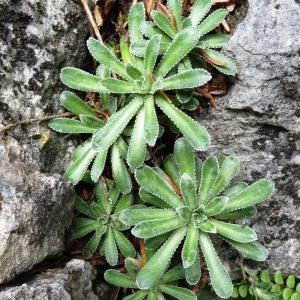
x=35 y=209
x=258 y=121
x=37 y=38
x=72 y=282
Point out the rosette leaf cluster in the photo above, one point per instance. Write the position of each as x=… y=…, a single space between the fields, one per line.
x=102 y=219
x=195 y=203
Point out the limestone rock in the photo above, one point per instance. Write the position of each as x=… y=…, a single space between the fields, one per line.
x=35 y=210
x=72 y=282
x=258 y=121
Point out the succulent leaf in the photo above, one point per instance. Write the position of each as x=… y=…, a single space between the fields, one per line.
x=149 y=275
x=151 y=130
x=82 y=227
x=136 y=17
x=106 y=57
x=182 y=44
x=253 y=250
x=119 y=279
x=190 y=247
x=218 y=275
x=242 y=213
x=163 y=23
x=135 y=215
x=137 y=146
x=123 y=243
x=152 y=228
x=255 y=193
x=209 y=174
x=151 y=53
x=153 y=183
x=80 y=80
x=212 y=21
x=214 y=40
x=184 y=80
x=93 y=243
x=199 y=10
x=75 y=105
x=119 y=170
x=105 y=137
x=110 y=247
x=65 y=125
x=76 y=170
x=174 y=274
x=195 y=133
x=171 y=169
x=178 y=292
x=238 y=233
x=188 y=190
x=193 y=273
x=152 y=199
x=119 y=86
x=216 y=206
x=98 y=165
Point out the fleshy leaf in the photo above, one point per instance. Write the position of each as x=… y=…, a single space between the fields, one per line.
x=238 y=233
x=119 y=279
x=119 y=86
x=106 y=57
x=178 y=292
x=125 y=201
x=247 y=212
x=110 y=248
x=171 y=168
x=140 y=295
x=190 y=247
x=137 y=146
x=163 y=23
x=92 y=121
x=219 y=277
x=195 y=133
x=151 y=53
x=215 y=40
x=136 y=17
x=212 y=21
x=149 y=275
x=216 y=206
x=152 y=199
x=98 y=165
x=182 y=44
x=106 y=136
x=148 y=229
x=255 y=193
x=83 y=226
x=174 y=274
x=184 y=80
x=193 y=273
x=220 y=61
x=199 y=10
x=93 y=243
x=184 y=157
x=133 y=216
x=175 y=7
x=151 y=123
x=65 y=125
x=235 y=189
x=188 y=191
x=153 y=183
x=133 y=72
x=120 y=172
x=209 y=174
x=253 y=250
x=76 y=170
x=123 y=244
x=80 y=80
x=75 y=105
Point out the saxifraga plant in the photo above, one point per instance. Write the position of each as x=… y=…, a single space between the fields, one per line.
x=102 y=218
x=167 y=284
x=92 y=118
x=192 y=209
x=169 y=23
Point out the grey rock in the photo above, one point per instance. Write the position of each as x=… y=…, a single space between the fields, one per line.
x=72 y=282
x=35 y=210
x=258 y=121
x=37 y=38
